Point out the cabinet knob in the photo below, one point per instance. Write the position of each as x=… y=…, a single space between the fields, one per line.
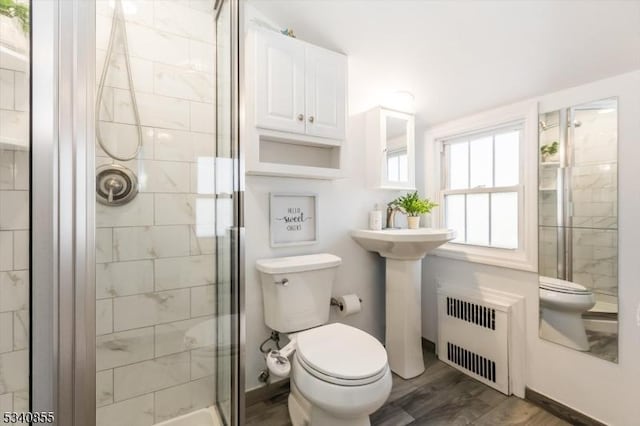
x=311 y=119
x=300 y=117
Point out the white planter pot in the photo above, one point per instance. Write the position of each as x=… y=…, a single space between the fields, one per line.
x=414 y=222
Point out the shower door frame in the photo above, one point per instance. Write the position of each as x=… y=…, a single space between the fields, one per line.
x=63 y=336
x=62 y=292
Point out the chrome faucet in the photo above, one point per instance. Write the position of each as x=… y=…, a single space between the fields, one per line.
x=391 y=216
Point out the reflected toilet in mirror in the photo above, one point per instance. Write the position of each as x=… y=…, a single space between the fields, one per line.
x=578 y=227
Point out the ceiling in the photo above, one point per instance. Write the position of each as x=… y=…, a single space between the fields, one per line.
x=460 y=57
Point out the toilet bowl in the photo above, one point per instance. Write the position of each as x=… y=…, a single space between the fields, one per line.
x=339 y=374
x=562 y=304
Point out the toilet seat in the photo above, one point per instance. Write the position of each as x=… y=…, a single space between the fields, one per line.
x=342 y=355
x=562 y=286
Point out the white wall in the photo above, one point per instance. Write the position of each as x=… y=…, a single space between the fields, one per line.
x=600 y=389
x=343 y=206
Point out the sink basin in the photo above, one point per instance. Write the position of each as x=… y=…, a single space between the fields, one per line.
x=403 y=250
x=403 y=244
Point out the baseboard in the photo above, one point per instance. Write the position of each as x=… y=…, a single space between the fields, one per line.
x=428 y=345
x=267 y=392
x=568 y=414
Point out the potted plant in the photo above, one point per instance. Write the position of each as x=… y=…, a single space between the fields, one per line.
x=413 y=206
x=549 y=150
x=14 y=10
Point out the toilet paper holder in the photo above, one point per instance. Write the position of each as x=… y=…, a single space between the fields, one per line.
x=335 y=302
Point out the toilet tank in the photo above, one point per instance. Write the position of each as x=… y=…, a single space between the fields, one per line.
x=296 y=290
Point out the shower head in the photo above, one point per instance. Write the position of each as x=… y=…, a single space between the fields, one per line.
x=546 y=126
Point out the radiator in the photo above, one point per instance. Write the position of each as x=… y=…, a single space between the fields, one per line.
x=473 y=335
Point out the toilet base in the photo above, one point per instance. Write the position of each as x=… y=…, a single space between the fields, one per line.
x=565 y=328
x=302 y=413
x=299 y=407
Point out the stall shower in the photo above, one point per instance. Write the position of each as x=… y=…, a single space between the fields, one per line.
x=160 y=218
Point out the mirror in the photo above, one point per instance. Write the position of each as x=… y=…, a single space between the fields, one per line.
x=396 y=154
x=390 y=149
x=578 y=227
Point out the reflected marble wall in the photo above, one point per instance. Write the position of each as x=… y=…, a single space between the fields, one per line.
x=593 y=200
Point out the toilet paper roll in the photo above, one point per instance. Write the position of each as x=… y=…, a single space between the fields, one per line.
x=349 y=304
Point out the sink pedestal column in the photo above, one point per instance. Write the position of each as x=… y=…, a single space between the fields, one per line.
x=403 y=317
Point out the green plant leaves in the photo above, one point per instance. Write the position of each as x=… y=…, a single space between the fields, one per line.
x=16 y=10
x=413 y=205
x=550 y=149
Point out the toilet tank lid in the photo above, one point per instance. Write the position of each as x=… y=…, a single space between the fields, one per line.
x=311 y=262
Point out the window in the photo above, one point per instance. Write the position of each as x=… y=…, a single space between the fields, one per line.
x=481 y=187
x=397 y=166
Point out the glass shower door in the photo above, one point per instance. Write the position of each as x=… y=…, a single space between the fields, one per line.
x=15 y=191
x=166 y=214
x=228 y=218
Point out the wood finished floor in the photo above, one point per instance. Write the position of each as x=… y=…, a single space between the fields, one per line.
x=440 y=396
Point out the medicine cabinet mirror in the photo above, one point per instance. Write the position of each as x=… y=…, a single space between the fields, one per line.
x=391 y=149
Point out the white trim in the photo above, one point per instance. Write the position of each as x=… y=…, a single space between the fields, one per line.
x=526 y=256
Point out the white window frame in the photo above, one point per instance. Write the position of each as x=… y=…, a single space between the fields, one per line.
x=518 y=188
x=396 y=154
x=525 y=257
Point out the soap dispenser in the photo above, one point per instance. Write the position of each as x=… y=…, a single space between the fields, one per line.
x=375 y=219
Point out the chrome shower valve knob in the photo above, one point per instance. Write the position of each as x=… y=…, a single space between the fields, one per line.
x=115 y=185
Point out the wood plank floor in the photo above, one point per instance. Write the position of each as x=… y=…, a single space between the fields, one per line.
x=440 y=396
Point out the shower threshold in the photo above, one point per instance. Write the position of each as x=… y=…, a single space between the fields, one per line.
x=203 y=417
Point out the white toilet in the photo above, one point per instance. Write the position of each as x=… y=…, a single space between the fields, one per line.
x=562 y=304
x=339 y=374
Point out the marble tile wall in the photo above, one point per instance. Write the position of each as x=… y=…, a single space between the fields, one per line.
x=156 y=277
x=594 y=201
x=14 y=231
x=594 y=180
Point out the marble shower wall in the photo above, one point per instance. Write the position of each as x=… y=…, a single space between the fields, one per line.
x=594 y=195
x=547 y=199
x=594 y=199
x=14 y=221
x=156 y=277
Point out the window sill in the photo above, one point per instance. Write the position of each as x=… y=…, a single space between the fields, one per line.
x=504 y=258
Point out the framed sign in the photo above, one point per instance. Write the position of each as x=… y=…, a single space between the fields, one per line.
x=293 y=219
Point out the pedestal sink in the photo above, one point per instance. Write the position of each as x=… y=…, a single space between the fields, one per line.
x=403 y=250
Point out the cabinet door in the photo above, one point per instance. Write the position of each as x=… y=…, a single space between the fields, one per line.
x=326 y=75
x=279 y=82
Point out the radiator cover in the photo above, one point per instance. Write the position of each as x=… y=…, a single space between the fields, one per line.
x=473 y=336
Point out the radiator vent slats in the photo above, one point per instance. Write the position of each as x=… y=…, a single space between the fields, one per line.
x=472 y=362
x=472 y=312
x=473 y=334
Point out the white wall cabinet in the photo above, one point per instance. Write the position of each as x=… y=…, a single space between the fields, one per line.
x=280 y=83
x=300 y=88
x=325 y=85
x=296 y=95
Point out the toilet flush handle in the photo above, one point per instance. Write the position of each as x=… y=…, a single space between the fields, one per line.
x=283 y=282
